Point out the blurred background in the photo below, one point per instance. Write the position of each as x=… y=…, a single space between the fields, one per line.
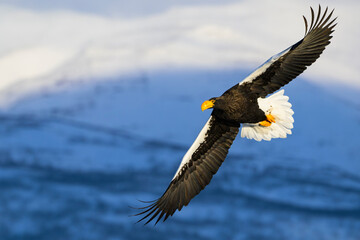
x=99 y=101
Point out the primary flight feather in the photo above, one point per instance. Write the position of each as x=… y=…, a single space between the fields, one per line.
x=246 y=103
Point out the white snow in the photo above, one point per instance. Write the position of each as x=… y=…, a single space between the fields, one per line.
x=42 y=47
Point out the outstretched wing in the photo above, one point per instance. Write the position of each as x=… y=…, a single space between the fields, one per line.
x=199 y=164
x=281 y=68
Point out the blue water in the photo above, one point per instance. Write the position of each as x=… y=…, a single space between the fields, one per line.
x=74 y=162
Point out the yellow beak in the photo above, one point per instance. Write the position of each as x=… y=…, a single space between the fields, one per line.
x=207 y=104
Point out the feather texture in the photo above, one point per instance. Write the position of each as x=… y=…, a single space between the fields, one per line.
x=288 y=64
x=278 y=106
x=243 y=103
x=196 y=172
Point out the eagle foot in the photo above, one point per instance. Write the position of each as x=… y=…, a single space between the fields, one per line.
x=269 y=119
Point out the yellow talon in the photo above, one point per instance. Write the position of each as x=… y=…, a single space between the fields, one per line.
x=265 y=123
x=269 y=119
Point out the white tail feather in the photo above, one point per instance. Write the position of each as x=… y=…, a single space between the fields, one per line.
x=278 y=106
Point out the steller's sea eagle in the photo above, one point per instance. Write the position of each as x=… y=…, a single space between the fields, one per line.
x=246 y=103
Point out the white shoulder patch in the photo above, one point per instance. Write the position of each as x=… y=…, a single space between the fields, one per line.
x=277 y=105
x=260 y=70
x=200 y=138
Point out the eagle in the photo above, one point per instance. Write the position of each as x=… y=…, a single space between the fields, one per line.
x=247 y=103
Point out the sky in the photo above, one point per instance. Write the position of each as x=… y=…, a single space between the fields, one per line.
x=86 y=40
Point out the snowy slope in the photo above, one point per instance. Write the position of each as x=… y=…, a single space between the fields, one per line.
x=99 y=102
x=72 y=161
x=56 y=44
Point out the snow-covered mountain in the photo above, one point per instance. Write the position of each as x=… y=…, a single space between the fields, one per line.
x=51 y=45
x=99 y=101
x=74 y=160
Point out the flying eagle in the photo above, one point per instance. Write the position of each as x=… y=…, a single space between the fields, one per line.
x=246 y=103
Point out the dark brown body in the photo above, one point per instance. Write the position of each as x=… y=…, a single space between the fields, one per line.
x=238 y=105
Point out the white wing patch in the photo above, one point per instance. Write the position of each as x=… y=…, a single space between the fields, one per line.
x=260 y=70
x=200 y=138
x=277 y=105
